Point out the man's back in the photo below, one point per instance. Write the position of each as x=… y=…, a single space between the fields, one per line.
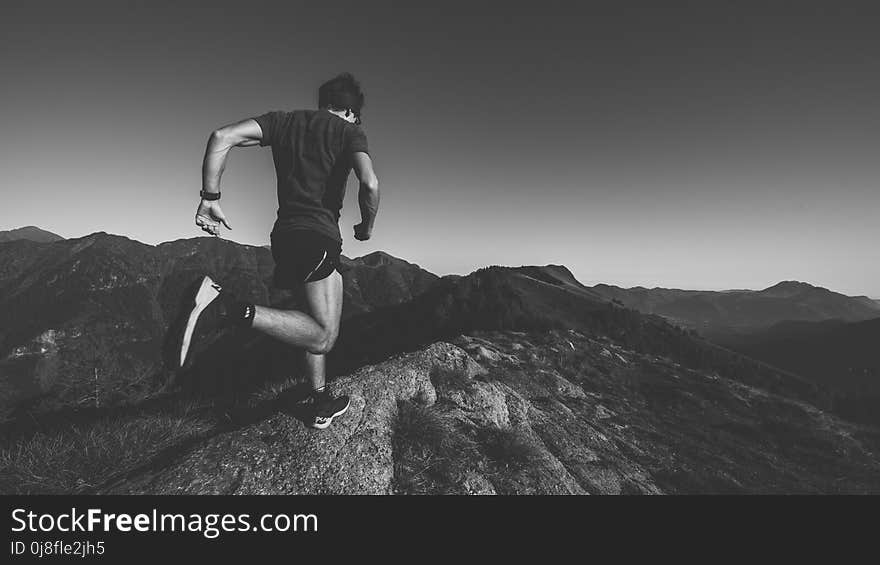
x=313 y=151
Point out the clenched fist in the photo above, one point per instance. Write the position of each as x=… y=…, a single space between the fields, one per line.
x=362 y=232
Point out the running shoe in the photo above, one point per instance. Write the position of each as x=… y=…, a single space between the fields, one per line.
x=207 y=295
x=328 y=407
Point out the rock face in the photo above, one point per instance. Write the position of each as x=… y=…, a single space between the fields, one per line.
x=281 y=456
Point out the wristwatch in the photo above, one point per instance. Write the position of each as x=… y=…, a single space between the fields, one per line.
x=209 y=195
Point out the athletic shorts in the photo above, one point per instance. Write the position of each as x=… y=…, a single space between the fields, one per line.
x=303 y=256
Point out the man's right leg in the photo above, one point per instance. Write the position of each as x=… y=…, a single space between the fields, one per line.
x=299 y=257
x=292 y=327
x=316 y=331
x=289 y=326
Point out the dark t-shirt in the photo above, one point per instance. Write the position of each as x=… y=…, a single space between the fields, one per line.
x=313 y=153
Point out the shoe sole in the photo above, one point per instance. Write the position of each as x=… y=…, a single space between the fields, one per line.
x=326 y=425
x=206 y=294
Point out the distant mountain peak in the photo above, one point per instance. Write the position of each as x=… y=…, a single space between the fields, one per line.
x=30 y=233
x=379 y=258
x=552 y=274
x=791 y=288
x=791 y=284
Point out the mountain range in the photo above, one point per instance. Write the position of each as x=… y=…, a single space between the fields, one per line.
x=123 y=296
x=87 y=346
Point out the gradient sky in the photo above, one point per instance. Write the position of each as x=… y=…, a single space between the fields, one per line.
x=680 y=144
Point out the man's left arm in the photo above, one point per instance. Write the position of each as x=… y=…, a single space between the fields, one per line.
x=368 y=195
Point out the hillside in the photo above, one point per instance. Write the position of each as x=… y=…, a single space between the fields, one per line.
x=843 y=356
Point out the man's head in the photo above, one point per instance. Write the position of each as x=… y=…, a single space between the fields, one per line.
x=342 y=93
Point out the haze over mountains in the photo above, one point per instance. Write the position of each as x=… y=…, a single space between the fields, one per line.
x=737 y=311
x=88 y=325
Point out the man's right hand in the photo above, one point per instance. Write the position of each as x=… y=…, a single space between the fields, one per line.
x=209 y=216
x=362 y=232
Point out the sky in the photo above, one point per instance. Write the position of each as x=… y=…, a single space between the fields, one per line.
x=706 y=144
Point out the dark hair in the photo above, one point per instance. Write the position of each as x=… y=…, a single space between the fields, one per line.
x=341 y=93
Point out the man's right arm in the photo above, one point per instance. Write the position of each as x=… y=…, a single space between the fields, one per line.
x=368 y=195
x=245 y=133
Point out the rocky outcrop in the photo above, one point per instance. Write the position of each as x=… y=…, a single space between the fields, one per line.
x=280 y=455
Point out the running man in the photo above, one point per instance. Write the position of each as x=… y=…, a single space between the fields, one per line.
x=314 y=151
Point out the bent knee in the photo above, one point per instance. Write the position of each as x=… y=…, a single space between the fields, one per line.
x=326 y=343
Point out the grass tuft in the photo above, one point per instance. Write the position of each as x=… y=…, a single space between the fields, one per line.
x=431 y=455
x=446 y=379
x=508 y=449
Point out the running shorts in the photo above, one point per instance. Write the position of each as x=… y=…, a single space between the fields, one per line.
x=303 y=256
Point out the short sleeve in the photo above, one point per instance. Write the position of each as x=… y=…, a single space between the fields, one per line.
x=270 y=123
x=356 y=141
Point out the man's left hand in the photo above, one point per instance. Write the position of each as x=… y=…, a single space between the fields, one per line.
x=362 y=232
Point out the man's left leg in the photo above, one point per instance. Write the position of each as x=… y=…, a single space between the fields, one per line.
x=316 y=370
x=324 y=302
